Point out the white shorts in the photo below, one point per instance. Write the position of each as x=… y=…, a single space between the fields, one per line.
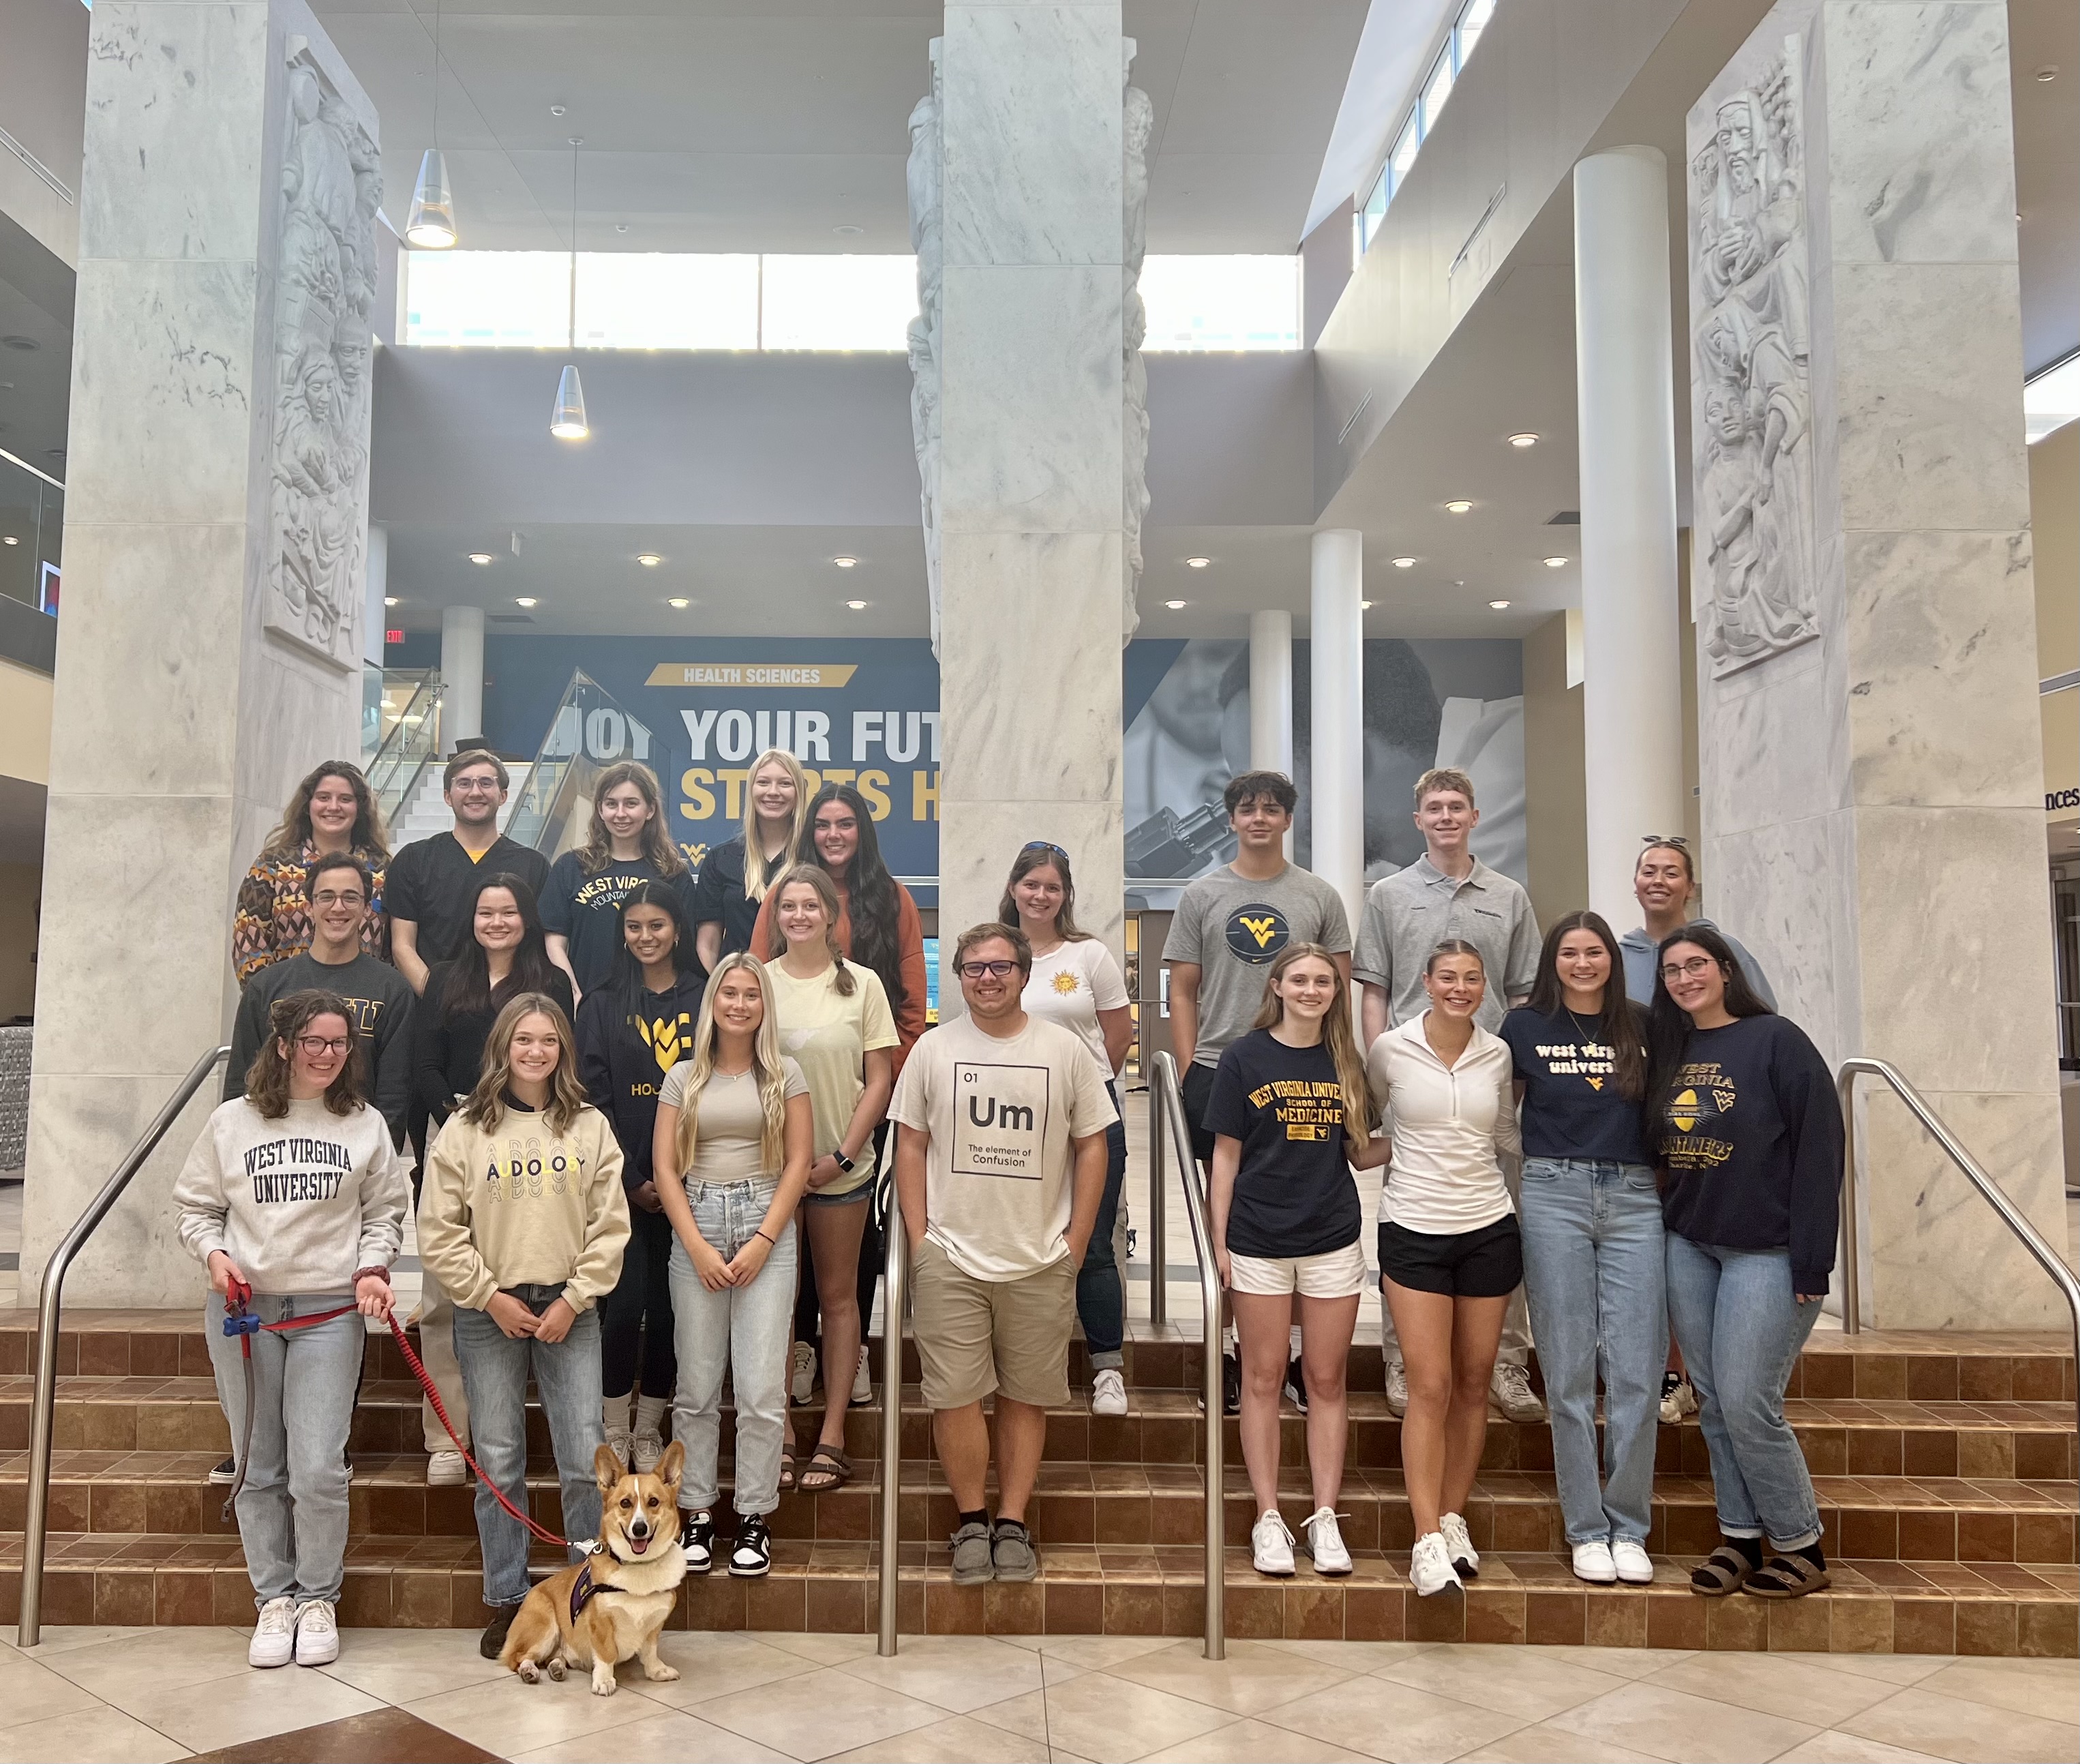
x=1338 y=1274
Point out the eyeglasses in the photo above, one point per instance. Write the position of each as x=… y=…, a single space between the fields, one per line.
x=332 y=897
x=1045 y=845
x=1680 y=841
x=1672 y=972
x=317 y=1047
x=995 y=970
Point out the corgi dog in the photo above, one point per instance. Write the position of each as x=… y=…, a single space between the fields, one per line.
x=610 y=1606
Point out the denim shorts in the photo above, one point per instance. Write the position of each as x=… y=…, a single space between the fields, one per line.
x=851 y=1197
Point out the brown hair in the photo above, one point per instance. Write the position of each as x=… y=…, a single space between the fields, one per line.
x=1021 y=946
x=1624 y=1023
x=1682 y=851
x=816 y=879
x=1445 y=778
x=1455 y=945
x=567 y=1090
x=1248 y=785
x=369 y=833
x=474 y=756
x=597 y=851
x=267 y=1079
x=1037 y=855
x=1336 y=1033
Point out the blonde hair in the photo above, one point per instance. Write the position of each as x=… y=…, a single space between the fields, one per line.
x=597 y=851
x=567 y=1092
x=1336 y=1035
x=756 y=877
x=814 y=877
x=1444 y=778
x=766 y=1067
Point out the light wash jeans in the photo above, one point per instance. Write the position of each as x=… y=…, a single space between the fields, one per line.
x=293 y=1510
x=1100 y=1294
x=1740 y=1328
x=1594 y=1277
x=745 y=1329
x=494 y=1371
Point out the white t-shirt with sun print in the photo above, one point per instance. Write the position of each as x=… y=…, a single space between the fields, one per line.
x=1070 y=984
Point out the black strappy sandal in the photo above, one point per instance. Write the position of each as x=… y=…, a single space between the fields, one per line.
x=1726 y=1570
x=831 y=1468
x=1786 y=1577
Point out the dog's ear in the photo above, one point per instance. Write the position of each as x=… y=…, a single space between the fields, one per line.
x=673 y=1465
x=607 y=1467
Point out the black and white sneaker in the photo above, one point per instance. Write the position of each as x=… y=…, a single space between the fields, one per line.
x=226 y=1473
x=1230 y=1385
x=1295 y=1386
x=752 y=1556
x=697 y=1541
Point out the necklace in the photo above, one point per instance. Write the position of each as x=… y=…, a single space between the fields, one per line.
x=1588 y=1040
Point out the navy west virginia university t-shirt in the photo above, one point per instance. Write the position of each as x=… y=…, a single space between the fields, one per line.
x=1293 y=1195
x=1571 y=1104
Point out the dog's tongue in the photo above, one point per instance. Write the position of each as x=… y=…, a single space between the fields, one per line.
x=639 y=1544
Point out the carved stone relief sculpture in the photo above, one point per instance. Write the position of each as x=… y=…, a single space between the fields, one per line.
x=1750 y=376
x=1139 y=117
x=332 y=183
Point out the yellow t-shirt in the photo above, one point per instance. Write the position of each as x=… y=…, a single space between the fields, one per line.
x=829 y=1036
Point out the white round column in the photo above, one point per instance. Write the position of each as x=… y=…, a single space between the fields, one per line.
x=1335 y=673
x=1631 y=696
x=461 y=673
x=1271 y=695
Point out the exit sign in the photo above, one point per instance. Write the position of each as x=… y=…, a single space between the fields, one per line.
x=393 y=636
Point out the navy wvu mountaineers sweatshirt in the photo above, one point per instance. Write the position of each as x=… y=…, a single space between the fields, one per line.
x=1750 y=1135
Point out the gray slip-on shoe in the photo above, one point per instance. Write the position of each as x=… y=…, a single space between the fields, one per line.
x=971 y=1555
x=1013 y=1550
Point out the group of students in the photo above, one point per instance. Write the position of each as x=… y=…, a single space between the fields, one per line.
x=643 y=1117
x=1605 y=1136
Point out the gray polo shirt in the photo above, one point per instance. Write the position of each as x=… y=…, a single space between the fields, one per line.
x=1233 y=929
x=1409 y=913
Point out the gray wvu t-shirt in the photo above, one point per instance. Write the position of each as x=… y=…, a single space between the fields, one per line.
x=1233 y=929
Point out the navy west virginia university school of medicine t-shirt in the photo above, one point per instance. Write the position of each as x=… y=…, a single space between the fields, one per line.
x=1572 y=1107
x=1293 y=1195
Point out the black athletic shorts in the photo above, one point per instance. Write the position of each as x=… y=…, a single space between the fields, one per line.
x=1484 y=1264
x=1198 y=1086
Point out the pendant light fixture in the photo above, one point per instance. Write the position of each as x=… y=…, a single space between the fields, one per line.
x=567 y=422
x=430 y=224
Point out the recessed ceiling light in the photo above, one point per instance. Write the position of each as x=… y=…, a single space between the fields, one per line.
x=847 y=231
x=2046 y=75
x=480 y=557
x=389 y=600
x=1497 y=606
x=857 y=605
x=556 y=110
x=648 y=560
x=525 y=600
x=621 y=226
x=1558 y=563
x=681 y=604
x=845 y=562
x=1459 y=506
x=1365 y=606
x=10 y=540
x=1198 y=563
x=1524 y=438
x=1176 y=606
x=1404 y=563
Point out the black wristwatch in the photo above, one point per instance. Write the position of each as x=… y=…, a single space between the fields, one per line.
x=842 y=1162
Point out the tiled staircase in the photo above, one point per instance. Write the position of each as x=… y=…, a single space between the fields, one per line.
x=1944 y=1464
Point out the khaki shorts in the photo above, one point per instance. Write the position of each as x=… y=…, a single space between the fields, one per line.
x=976 y=1336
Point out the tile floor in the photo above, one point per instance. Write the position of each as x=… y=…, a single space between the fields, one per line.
x=137 y=1696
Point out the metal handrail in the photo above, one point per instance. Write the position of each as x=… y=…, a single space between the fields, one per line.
x=895 y=1269
x=2012 y=1216
x=1158 y=1264
x=1170 y=1134
x=29 y=1628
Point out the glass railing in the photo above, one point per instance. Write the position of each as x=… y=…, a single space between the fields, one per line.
x=590 y=732
x=32 y=533
x=411 y=737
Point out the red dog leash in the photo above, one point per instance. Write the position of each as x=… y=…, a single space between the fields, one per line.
x=239 y=1321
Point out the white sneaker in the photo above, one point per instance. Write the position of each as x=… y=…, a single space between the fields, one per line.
x=862 y=1386
x=1397 y=1387
x=802 y=1379
x=447 y=1470
x=646 y=1448
x=1510 y=1387
x=1679 y=1397
x=1271 y=1545
x=1459 y=1546
x=317 y=1633
x=1593 y=1564
x=1635 y=1566
x=1109 y=1393
x=623 y=1443
x=274 y=1636
x=1325 y=1542
x=1430 y=1565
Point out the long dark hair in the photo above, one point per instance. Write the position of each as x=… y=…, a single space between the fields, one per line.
x=469 y=987
x=625 y=977
x=870 y=892
x=267 y=1079
x=294 y=833
x=1039 y=854
x=1668 y=1024
x=1623 y=1023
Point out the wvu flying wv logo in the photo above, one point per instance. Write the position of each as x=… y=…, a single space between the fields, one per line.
x=668 y=1038
x=1257 y=933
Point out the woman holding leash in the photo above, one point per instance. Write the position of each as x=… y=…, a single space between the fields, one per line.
x=294 y=1198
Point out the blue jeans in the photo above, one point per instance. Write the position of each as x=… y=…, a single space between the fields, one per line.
x=1741 y=1328
x=744 y=1329
x=1593 y=1275
x=293 y=1510
x=494 y=1372
x=1100 y=1294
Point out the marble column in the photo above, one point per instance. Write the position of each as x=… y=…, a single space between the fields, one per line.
x=462 y=676
x=1335 y=735
x=1632 y=704
x=1029 y=345
x=1871 y=771
x=216 y=514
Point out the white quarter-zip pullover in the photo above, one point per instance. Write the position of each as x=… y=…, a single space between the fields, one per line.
x=1450 y=1124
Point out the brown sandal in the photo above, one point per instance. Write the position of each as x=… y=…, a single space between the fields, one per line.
x=1786 y=1577
x=831 y=1466
x=787 y=1469
x=1726 y=1570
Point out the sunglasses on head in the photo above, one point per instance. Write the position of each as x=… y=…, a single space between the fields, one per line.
x=1680 y=841
x=1045 y=845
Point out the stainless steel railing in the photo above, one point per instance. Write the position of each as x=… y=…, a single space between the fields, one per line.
x=1170 y=1141
x=2012 y=1216
x=894 y=1272
x=37 y=1518
x=1159 y=1294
